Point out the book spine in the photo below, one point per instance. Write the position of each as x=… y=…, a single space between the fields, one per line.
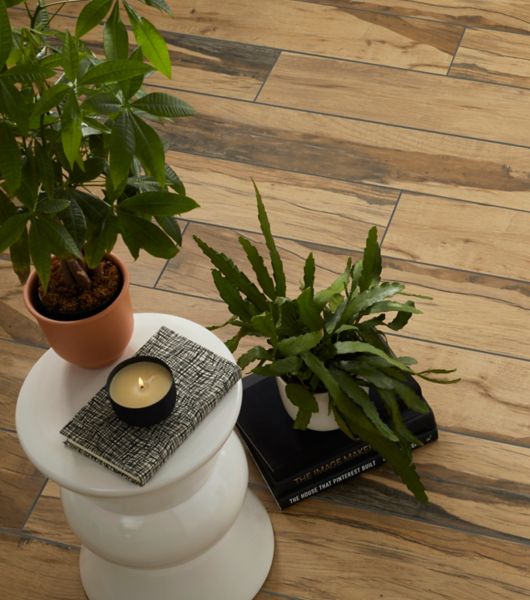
x=417 y=425
x=353 y=469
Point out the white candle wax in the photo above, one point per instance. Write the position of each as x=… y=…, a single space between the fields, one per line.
x=140 y=384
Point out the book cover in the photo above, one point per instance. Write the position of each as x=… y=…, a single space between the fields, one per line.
x=202 y=378
x=296 y=464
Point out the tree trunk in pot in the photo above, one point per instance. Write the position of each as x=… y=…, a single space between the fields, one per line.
x=92 y=342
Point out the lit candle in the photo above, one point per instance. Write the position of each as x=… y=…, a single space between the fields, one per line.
x=141 y=390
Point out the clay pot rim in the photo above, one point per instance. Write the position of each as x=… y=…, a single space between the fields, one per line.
x=33 y=279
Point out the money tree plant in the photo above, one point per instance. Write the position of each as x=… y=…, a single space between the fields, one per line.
x=332 y=340
x=80 y=160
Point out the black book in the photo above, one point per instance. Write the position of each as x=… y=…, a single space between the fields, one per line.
x=297 y=464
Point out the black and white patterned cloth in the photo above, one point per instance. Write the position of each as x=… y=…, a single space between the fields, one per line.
x=201 y=377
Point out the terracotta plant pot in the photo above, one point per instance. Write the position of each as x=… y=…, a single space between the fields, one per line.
x=92 y=342
x=322 y=420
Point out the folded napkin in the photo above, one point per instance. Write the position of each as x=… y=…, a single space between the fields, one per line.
x=201 y=377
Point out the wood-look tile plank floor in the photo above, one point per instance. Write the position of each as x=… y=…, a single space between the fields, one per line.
x=405 y=115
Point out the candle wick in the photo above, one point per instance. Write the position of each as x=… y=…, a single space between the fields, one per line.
x=141 y=383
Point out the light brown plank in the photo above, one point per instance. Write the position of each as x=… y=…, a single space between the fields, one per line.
x=494 y=56
x=340 y=553
x=397 y=97
x=511 y=15
x=354 y=151
x=15 y=362
x=460 y=313
x=33 y=569
x=299 y=206
x=489 y=401
x=20 y=482
x=198 y=64
x=313 y=28
x=460 y=234
x=143 y=271
x=47 y=521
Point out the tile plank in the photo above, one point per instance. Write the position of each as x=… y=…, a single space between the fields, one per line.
x=33 y=569
x=20 y=482
x=312 y=28
x=510 y=15
x=47 y=521
x=397 y=97
x=462 y=302
x=460 y=234
x=493 y=56
x=299 y=206
x=348 y=549
x=354 y=151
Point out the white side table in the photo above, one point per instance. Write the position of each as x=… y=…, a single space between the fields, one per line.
x=194 y=532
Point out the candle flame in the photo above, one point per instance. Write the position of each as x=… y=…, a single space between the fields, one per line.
x=141 y=384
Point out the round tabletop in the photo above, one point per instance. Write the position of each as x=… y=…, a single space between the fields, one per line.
x=55 y=390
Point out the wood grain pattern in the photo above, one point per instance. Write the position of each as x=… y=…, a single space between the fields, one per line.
x=354 y=151
x=15 y=362
x=20 y=482
x=313 y=28
x=460 y=234
x=298 y=204
x=510 y=15
x=459 y=298
x=404 y=98
x=494 y=56
x=47 y=521
x=33 y=569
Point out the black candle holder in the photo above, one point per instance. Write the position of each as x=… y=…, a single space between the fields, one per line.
x=151 y=414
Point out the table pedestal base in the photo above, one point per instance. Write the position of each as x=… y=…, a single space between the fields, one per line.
x=234 y=569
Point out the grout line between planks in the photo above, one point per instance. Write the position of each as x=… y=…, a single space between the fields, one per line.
x=456 y=52
x=391 y=218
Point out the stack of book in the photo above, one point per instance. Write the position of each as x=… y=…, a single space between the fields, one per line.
x=297 y=464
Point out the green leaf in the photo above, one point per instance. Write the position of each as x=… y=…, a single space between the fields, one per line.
x=103 y=104
x=91 y=15
x=282 y=366
x=51 y=98
x=392 y=405
x=131 y=86
x=371 y=264
x=71 y=133
x=113 y=71
x=173 y=180
x=75 y=222
x=12 y=229
x=171 y=227
x=59 y=239
x=337 y=287
x=276 y=261
x=151 y=42
x=227 y=267
x=354 y=391
x=301 y=343
x=368 y=298
x=6 y=37
x=258 y=266
x=163 y=105
x=70 y=57
x=304 y=400
x=115 y=38
x=391 y=306
x=309 y=311
x=309 y=271
x=353 y=422
x=40 y=251
x=413 y=400
x=264 y=326
x=19 y=254
x=94 y=209
x=231 y=296
x=149 y=149
x=425 y=375
x=50 y=205
x=361 y=347
x=401 y=319
x=160 y=4
x=32 y=71
x=46 y=169
x=159 y=203
x=13 y=104
x=101 y=240
x=122 y=145
x=141 y=233
x=10 y=159
x=255 y=353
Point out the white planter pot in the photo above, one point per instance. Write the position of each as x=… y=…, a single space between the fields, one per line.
x=323 y=420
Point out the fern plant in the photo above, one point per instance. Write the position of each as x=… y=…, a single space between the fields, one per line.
x=329 y=340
